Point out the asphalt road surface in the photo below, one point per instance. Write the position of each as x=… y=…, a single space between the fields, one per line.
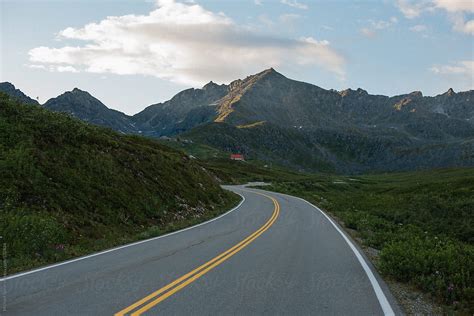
x=273 y=254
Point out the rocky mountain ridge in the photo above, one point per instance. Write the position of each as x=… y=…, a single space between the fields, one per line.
x=270 y=117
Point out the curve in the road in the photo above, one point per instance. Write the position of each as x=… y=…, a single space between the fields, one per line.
x=163 y=293
x=384 y=304
x=302 y=264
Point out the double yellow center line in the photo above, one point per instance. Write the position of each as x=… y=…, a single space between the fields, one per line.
x=160 y=295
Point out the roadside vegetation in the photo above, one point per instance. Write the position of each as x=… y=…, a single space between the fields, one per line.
x=421 y=222
x=68 y=188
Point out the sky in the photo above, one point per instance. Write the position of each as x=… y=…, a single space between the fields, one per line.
x=133 y=53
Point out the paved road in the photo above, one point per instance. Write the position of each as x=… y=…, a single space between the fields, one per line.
x=274 y=254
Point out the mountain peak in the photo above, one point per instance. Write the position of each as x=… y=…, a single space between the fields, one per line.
x=210 y=85
x=450 y=92
x=75 y=101
x=17 y=94
x=349 y=91
x=417 y=94
x=269 y=72
x=77 y=90
x=7 y=84
x=83 y=105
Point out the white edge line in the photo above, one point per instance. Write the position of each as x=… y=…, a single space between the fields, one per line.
x=383 y=301
x=122 y=247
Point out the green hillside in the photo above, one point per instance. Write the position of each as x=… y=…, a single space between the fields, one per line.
x=422 y=223
x=68 y=188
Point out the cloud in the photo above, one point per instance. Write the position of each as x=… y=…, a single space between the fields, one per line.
x=412 y=9
x=463 y=69
x=182 y=43
x=381 y=24
x=375 y=26
x=33 y=66
x=455 y=9
x=418 y=28
x=295 y=4
x=455 y=5
x=66 y=69
x=258 y=2
x=461 y=25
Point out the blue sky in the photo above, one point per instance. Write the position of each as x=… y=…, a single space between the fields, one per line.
x=130 y=54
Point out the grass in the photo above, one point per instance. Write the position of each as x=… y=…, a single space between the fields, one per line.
x=240 y=172
x=229 y=171
x=68 y=188
x=422 y=223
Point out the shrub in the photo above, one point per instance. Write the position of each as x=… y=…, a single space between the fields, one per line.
x=441 y=266
x=32 y=233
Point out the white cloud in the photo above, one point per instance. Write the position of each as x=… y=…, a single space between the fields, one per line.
x=258 y=2
x=455 y=5
x=295 y=4
x=418 y=28
x=463 y=68
x=377 y=26
x=461 y=25
x=53 y=68
x=33 y=66
x=182 y=43
x=455 y=9
x=65 y=69
x=412 y=9
x=380 y=25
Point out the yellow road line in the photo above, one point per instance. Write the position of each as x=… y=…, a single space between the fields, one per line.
x=195 y=274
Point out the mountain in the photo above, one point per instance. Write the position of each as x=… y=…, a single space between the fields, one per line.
x=272 y=118
x=84 y=106
x=68 y=188
x=184 y=111
x=17 y=94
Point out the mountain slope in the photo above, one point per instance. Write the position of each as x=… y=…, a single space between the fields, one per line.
x=184 y=111
x=84 y=106
x=68 y=188
x=272 y=118
x=17 y=94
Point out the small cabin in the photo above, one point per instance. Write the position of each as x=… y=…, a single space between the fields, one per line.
x=239 y=157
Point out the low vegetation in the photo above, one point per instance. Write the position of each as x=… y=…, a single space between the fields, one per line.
x=68 y=188
x=422 y=223
x=230 y=171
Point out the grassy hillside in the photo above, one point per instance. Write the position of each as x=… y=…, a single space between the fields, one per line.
x=239 y=172
x=422 y=223
x=68 y=188
x=265 y=142
x=344 y=150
